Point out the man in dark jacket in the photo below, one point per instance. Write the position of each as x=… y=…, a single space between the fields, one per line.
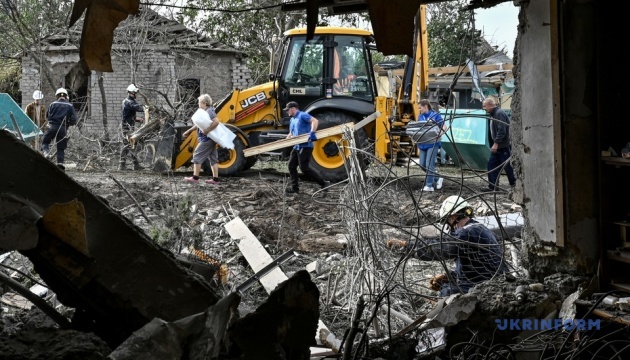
x=129 y=109
x=501 y=149
x=60 y=116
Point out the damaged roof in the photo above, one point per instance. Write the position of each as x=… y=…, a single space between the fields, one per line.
x=160 y=31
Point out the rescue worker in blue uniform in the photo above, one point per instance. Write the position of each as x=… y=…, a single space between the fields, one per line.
x=129 y=109
x=302 y=123
x=60 y=116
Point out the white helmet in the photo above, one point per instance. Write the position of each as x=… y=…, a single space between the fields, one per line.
x=132 y=88
x=61 y=91
x=453 y=205
x=38 y=95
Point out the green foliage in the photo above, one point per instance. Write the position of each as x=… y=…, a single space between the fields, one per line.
x=10 y=75
x=252 y=26
x=249 y=31
x=24 y=23
x=450 y=34
x=175 y=232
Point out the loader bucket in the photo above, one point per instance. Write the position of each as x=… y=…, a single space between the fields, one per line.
x=26 y=126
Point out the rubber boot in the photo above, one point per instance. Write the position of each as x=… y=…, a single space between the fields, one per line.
x=122 y=166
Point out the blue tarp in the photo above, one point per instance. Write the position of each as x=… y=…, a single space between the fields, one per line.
x=27 y=127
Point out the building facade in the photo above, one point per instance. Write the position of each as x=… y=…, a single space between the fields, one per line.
x=172 y=70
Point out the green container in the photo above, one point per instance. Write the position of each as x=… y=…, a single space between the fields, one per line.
x=467 y=141
x=27 y=127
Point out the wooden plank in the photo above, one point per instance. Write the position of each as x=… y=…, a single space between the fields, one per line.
x=279 y=144
x=255 y=253
x=258 y=257
x=321 y=134
x=618 y=161
x=614 y=317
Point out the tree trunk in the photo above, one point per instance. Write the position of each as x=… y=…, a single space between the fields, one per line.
x=103 y=105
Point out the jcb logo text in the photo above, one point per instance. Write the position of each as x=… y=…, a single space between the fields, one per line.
x=253 y=99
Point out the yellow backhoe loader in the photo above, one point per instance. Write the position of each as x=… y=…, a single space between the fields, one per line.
x=331 y=77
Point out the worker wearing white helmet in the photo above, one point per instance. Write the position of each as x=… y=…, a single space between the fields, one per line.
x=60 y=116
x=37 y=112
x=128 y=125
x=475 y=249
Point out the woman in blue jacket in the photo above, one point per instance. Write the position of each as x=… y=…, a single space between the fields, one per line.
x=430 y=149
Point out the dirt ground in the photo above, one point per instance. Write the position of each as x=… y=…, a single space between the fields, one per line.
x=319 y=227
x=340 y=234
x=311 y=221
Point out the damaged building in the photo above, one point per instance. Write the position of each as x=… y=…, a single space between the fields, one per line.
x=568 y=135
x=169 y=61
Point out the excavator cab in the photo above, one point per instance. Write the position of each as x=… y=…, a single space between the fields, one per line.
x=334 y=64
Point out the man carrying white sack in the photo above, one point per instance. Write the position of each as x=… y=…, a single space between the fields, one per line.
x=206 y=147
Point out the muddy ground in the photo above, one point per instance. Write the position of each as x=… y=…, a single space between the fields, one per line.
x=326 y=229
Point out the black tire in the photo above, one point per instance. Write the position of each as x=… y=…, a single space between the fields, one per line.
x=326 y=158
x=232 y=161
x=250 y=161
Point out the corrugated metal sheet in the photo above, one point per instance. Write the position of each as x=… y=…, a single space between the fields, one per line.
x=26 y=126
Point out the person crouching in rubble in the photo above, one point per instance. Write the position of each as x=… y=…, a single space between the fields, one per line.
x=474 y=248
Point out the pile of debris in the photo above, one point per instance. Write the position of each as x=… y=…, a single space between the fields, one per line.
x=102 y=275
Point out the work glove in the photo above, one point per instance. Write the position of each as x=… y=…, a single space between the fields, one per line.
x=396 y=244
x=436 y=282
x=312 y=136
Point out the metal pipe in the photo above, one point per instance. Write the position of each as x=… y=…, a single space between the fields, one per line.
x=15 y=124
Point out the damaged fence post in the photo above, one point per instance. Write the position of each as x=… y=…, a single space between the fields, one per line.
x=39 y=302
x=17 y=127
x=354 y=329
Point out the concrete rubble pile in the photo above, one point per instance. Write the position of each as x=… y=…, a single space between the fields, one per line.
x=117 y=295
x=123 y=287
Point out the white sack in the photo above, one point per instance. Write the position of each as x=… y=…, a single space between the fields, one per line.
x=222 y=136
x=201 y=119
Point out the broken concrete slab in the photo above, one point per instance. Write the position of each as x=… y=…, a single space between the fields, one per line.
x=200 y=336
x=287 y=320
x=17 y=224
x=126 y=281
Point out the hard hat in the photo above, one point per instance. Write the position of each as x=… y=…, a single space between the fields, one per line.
x=38 y=95
x=61 y=91
x=453 y=205
x=132 y=88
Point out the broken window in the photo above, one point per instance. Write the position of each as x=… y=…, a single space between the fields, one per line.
x=188 y=92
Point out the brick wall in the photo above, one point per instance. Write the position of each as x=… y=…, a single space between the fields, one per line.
x=60 y=62
x=218 y=73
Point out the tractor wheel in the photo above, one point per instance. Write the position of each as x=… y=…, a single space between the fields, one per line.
x=232 y=161
x=327 y=158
